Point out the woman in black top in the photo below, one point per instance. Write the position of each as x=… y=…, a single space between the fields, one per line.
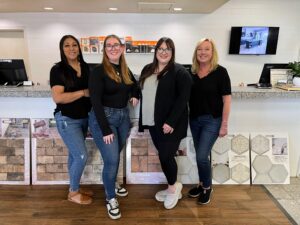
x=209 y=111
x=111 y=85
x=165 y=92
x=69 y=83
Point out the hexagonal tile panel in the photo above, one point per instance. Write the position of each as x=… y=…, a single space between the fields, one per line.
x=262 y=179
x=262 y=164
x=278 y=173
x=240 y=144
x=240 y=173
x=221 y=173
x=260 y=144
x=222 y=145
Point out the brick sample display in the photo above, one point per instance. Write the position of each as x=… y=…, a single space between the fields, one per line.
x=14 y=151
x=50 y=156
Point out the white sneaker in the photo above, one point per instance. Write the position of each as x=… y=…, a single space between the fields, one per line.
x=113 y=209
x=161 y=195
x=172 y=199
x=120 y=191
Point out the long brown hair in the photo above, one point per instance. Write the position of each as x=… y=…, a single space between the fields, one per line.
x=109 y=69
x=150 y=69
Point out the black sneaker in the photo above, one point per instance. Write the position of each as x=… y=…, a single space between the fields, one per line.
x=204 y=198
x=120 y=191
x=195 y=191
x=113 y=209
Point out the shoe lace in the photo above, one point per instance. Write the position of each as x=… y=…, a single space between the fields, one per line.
x=113 y=203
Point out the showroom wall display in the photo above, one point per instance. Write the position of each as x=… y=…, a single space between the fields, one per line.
x=94 y=45
x=270 y=158
x=14 y=151
x=50 y=155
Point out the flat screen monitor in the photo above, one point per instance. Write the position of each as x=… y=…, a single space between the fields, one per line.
x=12 y=71
x=253 y=40
x=266 y=71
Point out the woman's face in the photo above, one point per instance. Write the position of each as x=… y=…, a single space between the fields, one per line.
x=164 y=54
x=113 y=50
x=71 y=49
x=204 y=52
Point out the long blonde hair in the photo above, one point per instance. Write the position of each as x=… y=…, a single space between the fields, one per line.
x=214 y=60
x=109 y=69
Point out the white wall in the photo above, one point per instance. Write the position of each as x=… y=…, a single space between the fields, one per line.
x=44 y=30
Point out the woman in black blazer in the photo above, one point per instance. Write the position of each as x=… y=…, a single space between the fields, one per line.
x=166 y=89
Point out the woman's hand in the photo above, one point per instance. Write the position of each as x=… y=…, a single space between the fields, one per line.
x=108 y=138
x=86 y=93
x=223 y=129
x=134 y=101
x=167 y=129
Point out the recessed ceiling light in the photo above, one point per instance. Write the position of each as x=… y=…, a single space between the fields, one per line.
x=48 y=8
x=177 y=9
x=113 y=9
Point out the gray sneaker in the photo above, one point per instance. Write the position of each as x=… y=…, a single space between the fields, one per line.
x=172 y=199
x=120 y=191
x=161 y=195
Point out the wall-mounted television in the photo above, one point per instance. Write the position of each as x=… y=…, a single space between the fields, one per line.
x=12 y=71
x=253 y=40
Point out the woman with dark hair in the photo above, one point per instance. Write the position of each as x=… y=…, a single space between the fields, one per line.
x=69 y=83
x=165 y=92
x=111 y=85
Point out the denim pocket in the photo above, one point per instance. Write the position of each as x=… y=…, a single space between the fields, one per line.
x=108 y=112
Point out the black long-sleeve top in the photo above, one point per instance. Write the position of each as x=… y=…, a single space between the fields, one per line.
x=106 y=92
x=171 y=100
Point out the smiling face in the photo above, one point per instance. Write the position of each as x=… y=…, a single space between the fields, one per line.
x=113 y=50
x=204 y=52
x=71 y=49
x=163 y=54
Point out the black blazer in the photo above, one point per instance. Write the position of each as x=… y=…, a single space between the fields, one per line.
x=172 y=96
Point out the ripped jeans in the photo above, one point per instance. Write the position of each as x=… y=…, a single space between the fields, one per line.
x=73 y=133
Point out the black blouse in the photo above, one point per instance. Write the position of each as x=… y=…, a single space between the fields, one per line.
x=79 y=108
x=106 y=92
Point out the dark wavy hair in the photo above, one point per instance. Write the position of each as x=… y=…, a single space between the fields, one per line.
x=64 y=62
x=150 y=69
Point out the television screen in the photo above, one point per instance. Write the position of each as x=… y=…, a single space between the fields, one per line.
x=253 y=40
x=266 y=71
x=12 y=71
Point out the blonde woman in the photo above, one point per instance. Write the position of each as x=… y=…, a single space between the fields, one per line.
x=209 y=111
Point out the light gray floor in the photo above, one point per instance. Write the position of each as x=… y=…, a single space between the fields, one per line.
x=288 y=196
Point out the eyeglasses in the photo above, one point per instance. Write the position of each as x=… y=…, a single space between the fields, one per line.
x=114 y=46
x=166 y=50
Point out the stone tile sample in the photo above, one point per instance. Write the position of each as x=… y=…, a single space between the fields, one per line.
x=50 y=157
x=14 y=151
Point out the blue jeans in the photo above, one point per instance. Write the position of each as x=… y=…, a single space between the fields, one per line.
x=73 y=133
x=205 y=131
x=119 y=122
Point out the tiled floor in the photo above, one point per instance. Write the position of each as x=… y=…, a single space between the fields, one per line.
x=288 y=196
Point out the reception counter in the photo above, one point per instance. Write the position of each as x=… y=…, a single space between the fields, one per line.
x=253 y=110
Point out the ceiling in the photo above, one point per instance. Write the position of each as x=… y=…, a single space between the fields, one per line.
x=101 y=6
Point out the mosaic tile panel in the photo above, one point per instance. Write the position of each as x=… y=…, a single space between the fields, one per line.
x=270 y=158
x=230 y=160
x=50 y=156
x=14 y=151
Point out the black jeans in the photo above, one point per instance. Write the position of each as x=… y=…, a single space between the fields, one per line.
x=166 y=151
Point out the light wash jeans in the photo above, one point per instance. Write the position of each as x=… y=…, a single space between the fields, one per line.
x=119 y=122
x=205 y=131
x=73 y=133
